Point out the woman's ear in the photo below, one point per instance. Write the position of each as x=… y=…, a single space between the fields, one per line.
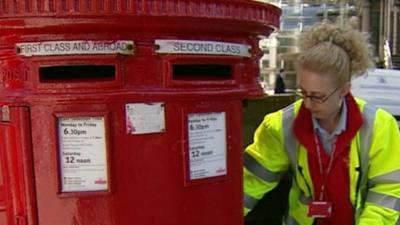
x=345 y=88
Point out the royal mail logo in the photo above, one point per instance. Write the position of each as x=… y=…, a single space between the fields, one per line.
x=100 y=181
x=220 y=170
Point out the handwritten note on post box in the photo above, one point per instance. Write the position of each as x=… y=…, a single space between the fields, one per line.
x=145 y=118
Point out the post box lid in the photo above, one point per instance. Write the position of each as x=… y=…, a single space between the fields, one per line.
x=144 y=16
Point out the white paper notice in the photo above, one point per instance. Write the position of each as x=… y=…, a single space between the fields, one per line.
x=207 y=144
x=83 y=155
x=144 y=118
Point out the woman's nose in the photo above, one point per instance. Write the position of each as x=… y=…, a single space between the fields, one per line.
x=307 y=102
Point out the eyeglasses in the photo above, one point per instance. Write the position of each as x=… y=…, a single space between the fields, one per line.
x=316 y=99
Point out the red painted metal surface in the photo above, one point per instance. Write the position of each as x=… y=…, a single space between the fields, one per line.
x=148 y=181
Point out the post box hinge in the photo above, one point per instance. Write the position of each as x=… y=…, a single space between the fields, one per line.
x=20 y=220
x=5 y=113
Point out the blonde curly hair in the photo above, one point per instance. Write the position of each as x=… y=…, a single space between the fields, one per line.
x=327 y=48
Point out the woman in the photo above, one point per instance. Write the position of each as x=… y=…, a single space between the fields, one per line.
x=344 y=154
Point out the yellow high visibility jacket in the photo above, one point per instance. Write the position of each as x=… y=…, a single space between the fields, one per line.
x=374 y=169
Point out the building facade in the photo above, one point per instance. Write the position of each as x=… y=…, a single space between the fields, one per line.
x=379 y=18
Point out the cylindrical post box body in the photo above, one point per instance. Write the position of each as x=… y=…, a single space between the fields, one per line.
x=120 y=112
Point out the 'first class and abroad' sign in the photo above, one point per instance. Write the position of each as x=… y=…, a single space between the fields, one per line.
x=202 y=48
x=79 y=47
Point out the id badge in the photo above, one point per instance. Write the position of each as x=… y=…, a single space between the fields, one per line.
x=320 y=209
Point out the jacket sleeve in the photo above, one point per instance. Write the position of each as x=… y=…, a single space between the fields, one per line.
x=382 y=203
x=265 y=160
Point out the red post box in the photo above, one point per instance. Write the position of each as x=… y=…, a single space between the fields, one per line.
x=126 y=112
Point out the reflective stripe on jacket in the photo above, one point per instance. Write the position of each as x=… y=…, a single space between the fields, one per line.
x=374 y=168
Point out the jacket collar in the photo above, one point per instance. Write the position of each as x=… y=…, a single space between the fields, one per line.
x=304 y=132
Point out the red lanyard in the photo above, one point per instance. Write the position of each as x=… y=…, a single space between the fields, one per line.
x=321 y=166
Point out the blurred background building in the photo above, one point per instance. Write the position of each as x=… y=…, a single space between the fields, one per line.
x=379 y=18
